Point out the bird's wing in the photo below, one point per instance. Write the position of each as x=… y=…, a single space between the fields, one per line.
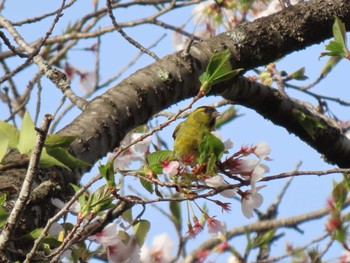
x=177 y=128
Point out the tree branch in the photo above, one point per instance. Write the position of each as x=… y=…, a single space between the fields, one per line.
x=173 y=78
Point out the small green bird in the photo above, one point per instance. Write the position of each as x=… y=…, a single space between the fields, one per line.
x=191 y=133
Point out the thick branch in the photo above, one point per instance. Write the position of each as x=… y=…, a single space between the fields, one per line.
x=110 y=116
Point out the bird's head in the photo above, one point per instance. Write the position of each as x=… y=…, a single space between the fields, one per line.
x=205 y=115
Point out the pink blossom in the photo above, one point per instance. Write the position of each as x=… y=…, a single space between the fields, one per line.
x=197 y=228
x=273 y=7
x=179 y=41
x=117 y=250
x=136 y=152
x=141 y=146
x=217 y=181
x=215 y=227
x=262 y=150
x=171 y=168
x=251 y=169
x=160 y=252
x=87 y=79
x=251 y=200
x=258 y=172
x=344 y=258
x=203 y=13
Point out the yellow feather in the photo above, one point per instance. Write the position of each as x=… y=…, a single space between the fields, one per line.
x=189 y=133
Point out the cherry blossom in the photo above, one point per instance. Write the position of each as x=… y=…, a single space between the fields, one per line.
x=136 y=152
x=117 y=250
x=160 y=252
x=262 y=150
x=171 y=168
x=273 y=7
x=193 y=231
x=205 y=13
x=251 y=200
x=233 y=259
x=87 y=79
x=217 y=181
x=215 y=227
x=344 y=258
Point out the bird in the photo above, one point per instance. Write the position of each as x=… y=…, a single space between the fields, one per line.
x=193 y=141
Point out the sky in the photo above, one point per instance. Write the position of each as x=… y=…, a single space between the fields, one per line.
x=306 y=193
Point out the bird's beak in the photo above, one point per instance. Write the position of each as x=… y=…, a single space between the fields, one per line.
x=216 y=114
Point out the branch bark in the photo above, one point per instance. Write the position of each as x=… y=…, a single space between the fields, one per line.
x=107 y=118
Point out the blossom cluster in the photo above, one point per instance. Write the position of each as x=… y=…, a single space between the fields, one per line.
x=209 y=16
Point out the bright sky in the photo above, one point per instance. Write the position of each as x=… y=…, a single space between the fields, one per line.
x=306 y=193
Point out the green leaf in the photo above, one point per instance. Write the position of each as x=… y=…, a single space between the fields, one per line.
x=154 y=160
x=298 y=74
x=175 y=209
x=127 y=216
x=211 y=145
x=107 y=171
x=211 y=150
x=101 y=200
x=339 y=194
x=310 y=125
x=27 y=135
x=3 y=213
x=219 y=64
x=141 y=229
x=33 y=234
x=68 y=160
x=339 y=31
x=337 y=47
x=4 y=144
x=46 y=160
x=331 y=63
x=54 y=140
x=11 y=132
x=219 y=69
x=147 y=185
x=81 y=198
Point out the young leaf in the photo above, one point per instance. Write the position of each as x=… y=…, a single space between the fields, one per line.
x=337 y=47
x=159 y=156
x=4 y=143
x=219 y=69
x=298 y=74
x=175 y=209
x=154 y=160
x=339 y=31
x=141 y=229
x=64 y=157
x=147 y=185
x=331 y=63
x=11 y=132
x=3 y=213
x=82 y=198
x=27 y=135
x=54 y=140
x=127 y=216
x=107 y=171
x=309 y=124
x=46 y=160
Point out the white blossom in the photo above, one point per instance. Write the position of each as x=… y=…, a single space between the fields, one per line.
x=159 y=252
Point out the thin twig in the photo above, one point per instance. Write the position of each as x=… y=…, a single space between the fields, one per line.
x=56 y=76
x=129 y=39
